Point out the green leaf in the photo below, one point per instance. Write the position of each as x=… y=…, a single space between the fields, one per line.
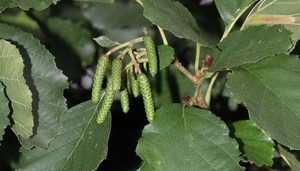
x=104 y=41
x=48 y=84
x=76 y=36
x=169 y=86
x=270 y=91
x=166 y=55
x=104 y=16
x=20 y=19
x=256 y=144
x=81 y=144
x=251 y=46
x=4 y=111
x=6 y=4
x=231 y=10
x=98 y=1
x=290 y=157
x=174 y=17
x=39 y=5
x=11 y=74
x=272 y=12
x=187 y=139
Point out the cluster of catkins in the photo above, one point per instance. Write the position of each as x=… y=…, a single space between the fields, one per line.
x=135 y=84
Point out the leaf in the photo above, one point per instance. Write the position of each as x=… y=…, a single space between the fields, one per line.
x=104 y=16
x=98 y=1
x=4 y=111
x=47 y=86
x=11 y=75
x=174 y=17
x=272 y=12
x=104 y=41
x=6 y=4
x=256 y=144
x=81 y=144
x=187 y=139
x=290 y=157
x=39 y=5
x=78 y=38
x=169 y=86
x=251 y=46
x=20 y=19
x=231 y=10
x=270 y=91
x=166 y=55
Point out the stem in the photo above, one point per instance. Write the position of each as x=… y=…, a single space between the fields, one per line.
x=198 y=87
x=181 y=68
x=197 y=58
x=208 y=93
x=136 y=65
x=137 y=40
x=163 y=36
x=142 y=60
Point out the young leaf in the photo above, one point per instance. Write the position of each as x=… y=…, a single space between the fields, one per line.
x=257 y=145
x=4 y=111
x=250 y=46
x=76 y=36
x=187 y=139
x=174 y=17
x=166 y=55
x=104 y=41
x=49 y=83
x=11 y=74
x=270 y=91
x=80 y=145
x=277 y=12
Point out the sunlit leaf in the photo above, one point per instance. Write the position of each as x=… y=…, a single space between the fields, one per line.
x=270 y=91
x=11 y=74
x=80 y=145
x=187 y=139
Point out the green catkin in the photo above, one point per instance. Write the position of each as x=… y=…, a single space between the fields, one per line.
x=135 y=86
x=116 y=74
x=151 y=53
x=147 y=96
x=98 y=78
x=107 y=102
x=124 y=98
x=128 y=82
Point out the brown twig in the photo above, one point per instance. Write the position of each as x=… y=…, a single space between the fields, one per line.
x=181 y=68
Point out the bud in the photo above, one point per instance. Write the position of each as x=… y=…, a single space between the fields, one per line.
x=208 y=61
